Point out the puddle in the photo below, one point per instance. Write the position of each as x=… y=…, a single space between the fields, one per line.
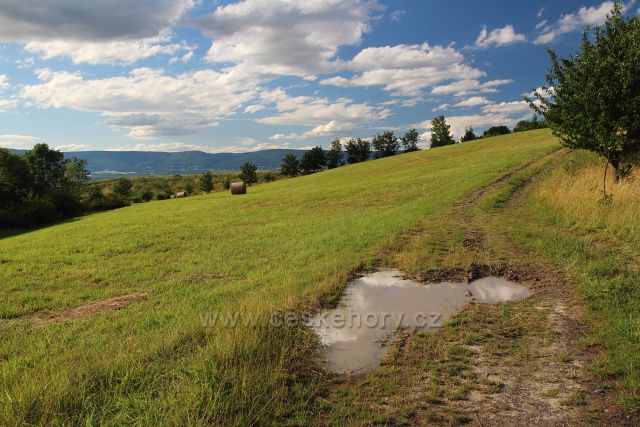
x=355 y=335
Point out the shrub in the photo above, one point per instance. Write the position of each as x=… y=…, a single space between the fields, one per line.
x=146 y=196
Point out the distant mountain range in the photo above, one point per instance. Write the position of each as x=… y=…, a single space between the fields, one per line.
x=104 y=164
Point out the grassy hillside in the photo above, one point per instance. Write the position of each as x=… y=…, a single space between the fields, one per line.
x=287 y=244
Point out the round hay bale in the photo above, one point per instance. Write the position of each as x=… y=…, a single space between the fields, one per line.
x=238 y=188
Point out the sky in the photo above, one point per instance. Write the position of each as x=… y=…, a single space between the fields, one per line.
x=236 y=76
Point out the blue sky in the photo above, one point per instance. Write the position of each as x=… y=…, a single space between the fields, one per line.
x=176 y=75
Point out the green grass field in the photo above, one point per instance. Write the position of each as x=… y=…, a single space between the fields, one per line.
x=287 y=245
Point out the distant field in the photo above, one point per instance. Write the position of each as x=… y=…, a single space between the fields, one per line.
x=287 y=244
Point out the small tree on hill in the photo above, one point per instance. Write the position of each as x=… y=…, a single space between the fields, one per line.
x=206 y=182
x=593 y=98
x=496 y=131
x=440 y=132
x=313 y=160
x=334 y=155
x=358 y=150
x=410 y=140
x=123 y=187
x=290 y=165
x=248 y=173
x=386 y=144
x=469 y=135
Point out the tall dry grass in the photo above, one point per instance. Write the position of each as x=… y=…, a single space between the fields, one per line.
x=575 y=194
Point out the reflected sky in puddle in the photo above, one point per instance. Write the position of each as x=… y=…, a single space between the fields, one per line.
x=355 y=335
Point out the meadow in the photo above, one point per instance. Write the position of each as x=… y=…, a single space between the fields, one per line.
x=287 y=245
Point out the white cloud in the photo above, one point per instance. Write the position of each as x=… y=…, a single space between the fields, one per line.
x=147 y=102
x=473 y=101
x=331 y=128
x=468 y=86
x=513 y=107
x=80 y=20
x=105 y=52
x=181 y=146
x=254 y=108
x=593 y=15
x=279 y=37
x=397 y=15
x=441 y=107
x=6 y=103
x=73 y=147
x=17 y=141
x=4 y=82
x=540 y=12
x=499 y=37
x=313 y=111
x=405 y=70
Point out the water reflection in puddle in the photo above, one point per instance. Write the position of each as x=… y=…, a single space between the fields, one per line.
x=355 y=334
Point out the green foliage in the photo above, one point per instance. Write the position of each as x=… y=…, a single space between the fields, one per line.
x=496 y=131
x=226 y=183
x=46 y=168
x=268 y=177
x=358 y=150
x=122 y=187
x=313 y=160
x=593 y=97
x=146 y=196
x=189 y=187
x=469 y=135
x=386 y=144
x=290 y=166
x=534 y=123
x=248 y=173
x=440 y=132
x=410 y=140
x=206 y=182
x=334 y=155
x=15 y=179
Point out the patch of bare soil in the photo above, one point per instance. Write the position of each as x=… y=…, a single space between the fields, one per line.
x=92 y=309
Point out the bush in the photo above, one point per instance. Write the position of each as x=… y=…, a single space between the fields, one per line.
x=268 y=177
x=226 y=183
x=162 y=196
x=106 y=203
x=146 y=196
x=31 y=213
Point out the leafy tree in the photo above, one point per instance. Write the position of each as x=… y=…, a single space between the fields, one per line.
x=334 y=155
x=358 y=150
x=386 y=144
x=15 y=179
x=205 y=182
x=313 y=160
x=525 y=125
x=226 y=183
x=46 y=167
x=123 y=187
x=496 y=131
x=290 y=165
x=76 y=176
x=469 y=135
x=592 y=100
x=189 y=187
x=440 y=132
x=248 y=173
x=410 y=140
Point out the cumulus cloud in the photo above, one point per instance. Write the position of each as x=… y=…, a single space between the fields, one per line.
x=241 y=147
x=80 y=20
x=405 y=70
x=147 y=102
x=254 y=108
x=473 y=101
x=499 y=37
x=593 y=15
x=468 y=86
x=331 y=128
x=124 y=52
x=278 y=37
x=4 y=82
x=314 y=111
x=17 y=141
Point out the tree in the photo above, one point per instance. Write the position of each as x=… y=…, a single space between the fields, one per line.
x=525 y=125
x=248 y=173
x=410 y=140
x=386 y=144
x=496 y=131
x=123 y=187
x=592 y=101
x=206 y=182
x=76 y=176
x=46 y=167
x=358 y=150
x=440 y=133
x=313 y=160
x=334 y=155
x=188 y=186
x=469 y=135
x=290 y=165
x=15 y=179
